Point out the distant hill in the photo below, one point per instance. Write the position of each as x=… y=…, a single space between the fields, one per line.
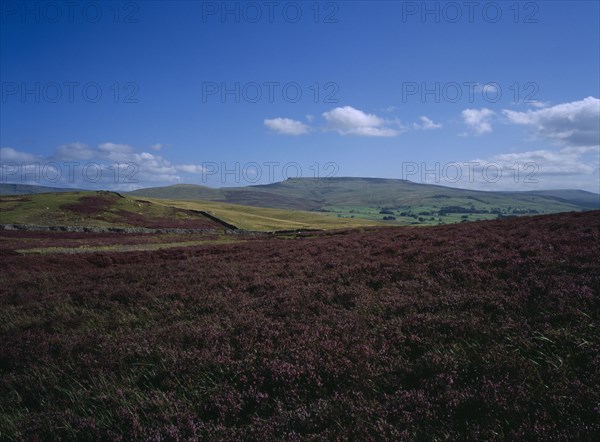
x=27 y=189
x=356 y=200
x=328 y=193
x=579 y=197
x=181 y=192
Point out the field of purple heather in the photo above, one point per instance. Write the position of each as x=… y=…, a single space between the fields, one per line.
x=11 y=240
x=475 y=331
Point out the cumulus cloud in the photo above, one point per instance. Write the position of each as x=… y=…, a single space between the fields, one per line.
x=286 y=126
x=576 y=123
x=478 y=120
x=537 y=103
x=120 y=165
x=74 y=151
x=569 y=167
x=11 y=155
x=565 y=161
x=350 y=121
x=574 y=130
x=426 y=124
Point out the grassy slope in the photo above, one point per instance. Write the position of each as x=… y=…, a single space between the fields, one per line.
x=350 y=202
x=310 y=194
x=256 y=218
x=582 y=198
x=48 y=209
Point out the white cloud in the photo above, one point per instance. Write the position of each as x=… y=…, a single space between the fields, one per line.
x=116 y=148
x=74 y=151
x=350 y=121
x=478 y=120
x=122 y=167
x=13 y=155
x=566 y=161
x=537 y=103
x=310 y=118
x=569 y=167
x=574 y=127
x=426 y=124
x=115 y=152
x=287 y=126
x=156 y=146
x=576 y=123
x=190 y=168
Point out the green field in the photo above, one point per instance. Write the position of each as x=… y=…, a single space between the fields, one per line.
x=418 y=218
x=326 y=204
x=265 y=219
x=51 y=209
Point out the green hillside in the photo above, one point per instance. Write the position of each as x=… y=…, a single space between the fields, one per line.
x=96 y=209
x=307 y=203
x=109 y=209
x=266 y=219
x=366 y=197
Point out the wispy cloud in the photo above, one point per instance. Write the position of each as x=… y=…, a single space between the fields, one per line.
x=347 y=120
x=287 y=126
x=426 y=124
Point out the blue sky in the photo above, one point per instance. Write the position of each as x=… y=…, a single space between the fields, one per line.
x=494 y=96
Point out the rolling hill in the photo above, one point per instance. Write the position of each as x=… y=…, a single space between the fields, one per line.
x=110 y=209
x=331 y=193
x=28 y=189
x=97 y=209
x=301 y=203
